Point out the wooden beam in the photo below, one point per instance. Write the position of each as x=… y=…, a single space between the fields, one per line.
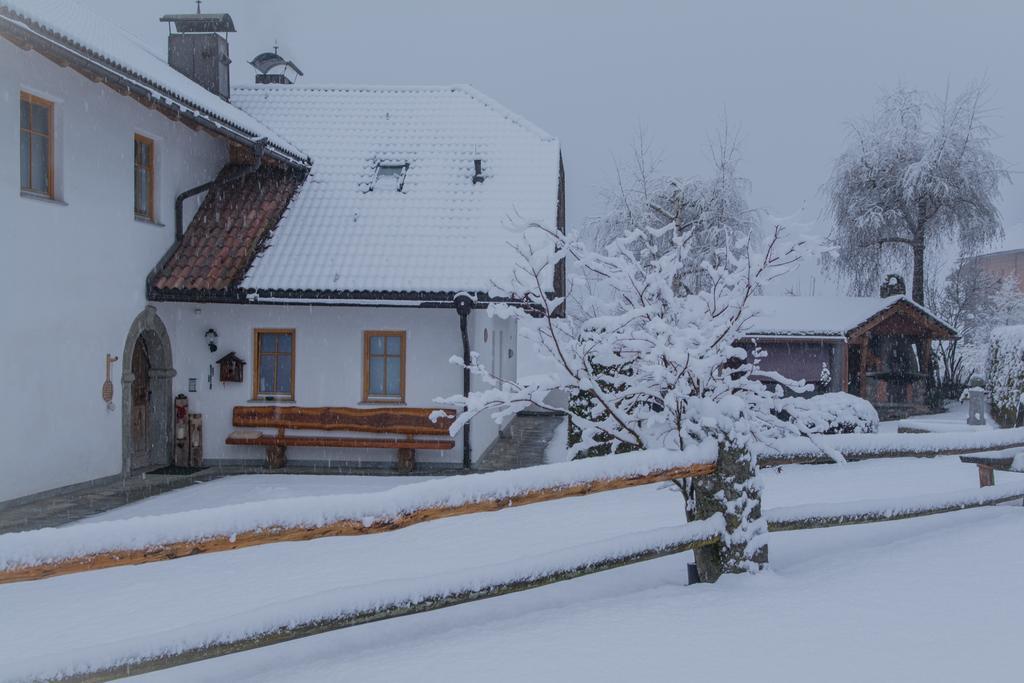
x=345 y=527
x=387 y=611
x=816 y=457
x=827 y=521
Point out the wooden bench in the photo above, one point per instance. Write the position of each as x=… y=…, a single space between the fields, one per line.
x=406 y=429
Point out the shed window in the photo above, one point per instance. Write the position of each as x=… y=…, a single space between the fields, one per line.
x=144 y=164
x=36 y=145
x=275 y=364
x=383 y=367
x=389 y=177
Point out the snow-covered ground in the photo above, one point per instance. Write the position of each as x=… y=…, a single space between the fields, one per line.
x=953 y=420
x=918 y=587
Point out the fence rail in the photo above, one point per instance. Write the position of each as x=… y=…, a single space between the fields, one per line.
x=825 y=516
x=142 y=553
x=519 y=576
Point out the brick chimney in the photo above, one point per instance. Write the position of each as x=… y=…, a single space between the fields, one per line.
x=197 y=48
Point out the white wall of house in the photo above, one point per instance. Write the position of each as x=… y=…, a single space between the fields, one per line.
x=496 y=340
x=73 y=271
x=328 y=366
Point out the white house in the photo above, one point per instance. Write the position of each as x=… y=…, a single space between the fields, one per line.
x=327 y=255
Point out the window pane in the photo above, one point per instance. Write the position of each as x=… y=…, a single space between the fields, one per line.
x=284 y=343
x=40 y=119
x=376 y=376
x=142 y=151
x=40 y=164
x=268 y=341
x=267 y=373
x=25 y=114
x=376 y=345
x=394 y=346
x=284 y=374
x=25 y=152
x=141 y=192
x=394 y=378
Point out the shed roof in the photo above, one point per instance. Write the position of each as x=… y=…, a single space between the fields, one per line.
x=828 y=316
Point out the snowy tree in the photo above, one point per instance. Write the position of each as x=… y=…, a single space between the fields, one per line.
x=713 y=212
x=920 y=171
x=965 y=302
x=665 y=366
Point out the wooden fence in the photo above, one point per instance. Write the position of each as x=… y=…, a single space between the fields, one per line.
x=686 y=537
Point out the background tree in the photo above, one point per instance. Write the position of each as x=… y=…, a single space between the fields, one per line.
x=713 y=212
x=918 y=172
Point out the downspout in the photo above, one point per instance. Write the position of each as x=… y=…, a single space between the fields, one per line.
x=463 y=306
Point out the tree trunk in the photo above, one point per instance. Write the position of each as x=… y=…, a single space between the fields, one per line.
x=734 y=490
x=918 y=291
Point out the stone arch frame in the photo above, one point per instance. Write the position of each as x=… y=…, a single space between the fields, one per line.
x=149 y=327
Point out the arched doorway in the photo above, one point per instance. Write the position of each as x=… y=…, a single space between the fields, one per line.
x=146 y=397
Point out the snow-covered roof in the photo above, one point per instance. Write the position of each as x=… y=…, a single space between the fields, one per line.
x=106 y=45
x=825 y=316
x=429 y=227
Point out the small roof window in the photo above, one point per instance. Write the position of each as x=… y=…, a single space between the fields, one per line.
x=389 y=177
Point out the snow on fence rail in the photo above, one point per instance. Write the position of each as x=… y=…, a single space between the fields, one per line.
x=802 y=451
x=43 y=553
x=818 y=516
x=351 y=606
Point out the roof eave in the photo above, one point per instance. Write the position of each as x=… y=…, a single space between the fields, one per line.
x=31 y=35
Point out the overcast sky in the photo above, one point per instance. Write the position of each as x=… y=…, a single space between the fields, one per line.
x=789 y=73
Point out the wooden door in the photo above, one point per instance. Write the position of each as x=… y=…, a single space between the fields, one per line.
x=140 y=411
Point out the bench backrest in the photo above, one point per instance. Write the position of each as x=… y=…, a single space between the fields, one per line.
x=397 y=420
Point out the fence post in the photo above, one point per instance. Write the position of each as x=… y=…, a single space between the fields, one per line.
x=734 y=490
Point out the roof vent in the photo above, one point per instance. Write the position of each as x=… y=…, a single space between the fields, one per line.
x=273 y=68
x=478 y=171
x=893 y=285
x=196 y=48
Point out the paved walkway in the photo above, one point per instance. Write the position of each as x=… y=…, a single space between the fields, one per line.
x=526 y=439
x=64 y=508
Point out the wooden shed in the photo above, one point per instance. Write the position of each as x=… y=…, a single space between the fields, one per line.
x=878 y=348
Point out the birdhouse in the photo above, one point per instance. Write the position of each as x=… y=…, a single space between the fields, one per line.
x=231 y=367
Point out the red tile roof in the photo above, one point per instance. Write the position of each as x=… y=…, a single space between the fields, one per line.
x=226 y=234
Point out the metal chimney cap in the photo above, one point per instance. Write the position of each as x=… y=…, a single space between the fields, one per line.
x=265 y=61
x=200 y=23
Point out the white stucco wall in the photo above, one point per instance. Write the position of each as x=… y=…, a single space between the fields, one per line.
x=501 y=335
x=328 y=366
x=73 y=273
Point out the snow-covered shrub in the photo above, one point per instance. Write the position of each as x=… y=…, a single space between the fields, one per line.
x=841 y=413
x=661 y=366
x=1005 y=373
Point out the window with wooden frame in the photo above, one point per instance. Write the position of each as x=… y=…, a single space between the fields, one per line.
x=36 y=145
x=383 y=367
x=274 y=369
x=145 y=152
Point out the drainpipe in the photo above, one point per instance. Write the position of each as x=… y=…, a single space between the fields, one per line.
x=463 y=306
x=179 y=201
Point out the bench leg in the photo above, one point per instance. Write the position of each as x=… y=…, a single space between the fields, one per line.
x=276 y=457
x=986 y=476
x=406 y=459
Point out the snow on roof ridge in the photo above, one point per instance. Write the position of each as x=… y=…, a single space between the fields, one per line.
x=465 y=88
x=36 y=14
